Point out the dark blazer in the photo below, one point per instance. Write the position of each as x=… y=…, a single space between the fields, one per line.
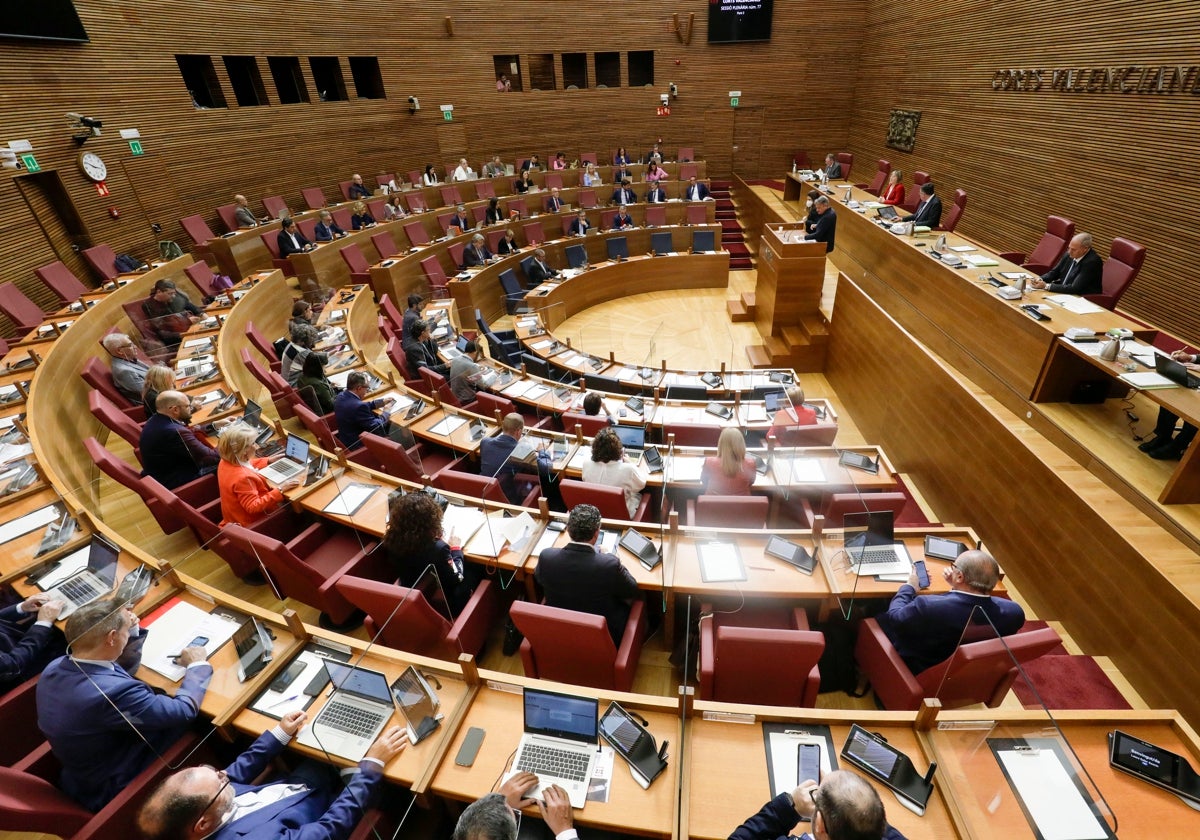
x=493 y=216
x=823 y=230
x=554 y=204
x=834 y=170
x=1085 y=279
x=457 y=579
x=493 y=461
x=461 y=222
x=578 y=577
x=326 y=232
x=777 y=819
x=359 y=191
x=85 y=712
x=506 y=248
x=539 y=272
x=579 y=227
x=656 y=195
x=701 y=192
x=361 y=220
x=356 y=416
x=929 y=213
x=25 y=647
x=422 y=355
x=319 y=813
x=925 y=629
x=475 y=255
x=171 y=453
x=286 y=248
x=623 y=195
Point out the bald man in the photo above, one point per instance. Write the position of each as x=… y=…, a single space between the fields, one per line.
x=925 y=629
x=842 y=807
x=358 y=190
x=202 y=802
x=1079 y=272
x=242 y=212
x=171 y=452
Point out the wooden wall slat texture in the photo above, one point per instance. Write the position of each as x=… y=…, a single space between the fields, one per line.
x=127 y=76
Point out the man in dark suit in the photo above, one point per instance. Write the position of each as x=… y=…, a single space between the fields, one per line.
x=104 y=726
x=357 y=189
x=327 y=229
x=170 y=312
x=695 y=191
x=832 y=169
x=929 y=211
x=656 y=194
x=826 y=225
x=1079 y=272
x=514 y=476
x=291 y=240
x=171 y=452
x=580 y=226
x=623 y=194
x=202 y=802
x=843 y=806
x=554 y=203
x=578 y=577
x=420 y=350
x=539 y=270
x=925 y=629
x=28 y=638
x=355 y=416
x=622 y=220
x=476 y=253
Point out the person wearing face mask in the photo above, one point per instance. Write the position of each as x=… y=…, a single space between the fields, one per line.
x=813 y=216
x=201 y=802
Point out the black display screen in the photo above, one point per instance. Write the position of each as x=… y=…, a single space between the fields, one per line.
x=735 y=21
x=52 y=20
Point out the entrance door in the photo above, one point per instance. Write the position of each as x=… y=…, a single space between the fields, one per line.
x=53 y=211
x=747 y=141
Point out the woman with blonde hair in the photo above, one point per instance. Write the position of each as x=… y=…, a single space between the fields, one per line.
x=731 y=471
x=362 y=217
x=245 y=495
x=161 y=378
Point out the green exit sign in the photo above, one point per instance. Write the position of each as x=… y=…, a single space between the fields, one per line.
x=448 y=116
x=30 y=163
x=135 y=146
x=733 y=102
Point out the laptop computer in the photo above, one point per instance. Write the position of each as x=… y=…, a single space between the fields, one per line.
x=775 y=401
x=1177 y=372
x=633 y=438
x=870 y=543
x=560 y=744
x=94 y=582
x=358 y=708
x=887 y=212
x=293 y=462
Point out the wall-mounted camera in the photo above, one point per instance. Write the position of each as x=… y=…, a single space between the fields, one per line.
x=414 y=105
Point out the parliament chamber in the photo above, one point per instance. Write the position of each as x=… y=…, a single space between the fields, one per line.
x=973 y=415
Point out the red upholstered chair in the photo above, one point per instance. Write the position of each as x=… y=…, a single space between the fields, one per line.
x=115 y=419
x=575 y=647
x=1049 y=249
x=821 y=433
x=308 y=566
x=202 y=278
x=388 y=307
x=395 y=353
x=535 y=234
x=588 y=157
x=24 y=313
x=344 y=186
x=656 y=214
x=342 y=216
x=692 y=434
x=760 y=665
x=416 y=203
x=1124 y=261
x=321 y=427
x=697 y=214
x=385 y=179
x=476 y=486
x=514 y=208
x=493 y=238
x=591 y=424
x=450 y=195
x=271 y=241
x=375 y=208
x=415 y=231
x=455 y=251
x=443 y=220
x=18 y=710
x=314 y=197
x=977 y=672
x=61 y=281
x=554 y=179
x=839 y=504
x=308 y=227
x=913 y=197
x=846 y=159
x=566 y=221
x=884 y=168
x=950 y=221
x=99 y=376
x=606 y=219
x=197 y=229
x=440 y=386
x=385 y=246
x=587 y=199
x=436 y=276
x=128 y=477
x=485 y=189
x=275 y=206
x=103 y=261
x=409 y=464
x=254 y=334
x=728 y=511
x=609 y=500
x=402 y=618
x=227 y=213
x=488 y=404
x=352 y=255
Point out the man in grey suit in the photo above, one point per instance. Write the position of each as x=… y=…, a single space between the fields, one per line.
x=578 y=577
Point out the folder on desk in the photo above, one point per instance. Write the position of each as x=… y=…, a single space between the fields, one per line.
x=1147 y=381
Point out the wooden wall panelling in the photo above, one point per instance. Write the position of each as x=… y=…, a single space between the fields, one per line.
x=1023 y=155
x=1074 y=545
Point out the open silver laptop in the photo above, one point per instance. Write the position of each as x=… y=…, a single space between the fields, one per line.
x=354 y=715
x=871 y=545
x=560 y=744
x=293 y=463
x=94 y=582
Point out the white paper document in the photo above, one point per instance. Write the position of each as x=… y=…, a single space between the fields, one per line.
x=720 y=561
x=171 y=632
x=1050 y=797
x=785 y=748
x=1073 y=303
x=446 y=426
x=29 y=522
x=684 y=468
x=799 y=470
x=350 y=499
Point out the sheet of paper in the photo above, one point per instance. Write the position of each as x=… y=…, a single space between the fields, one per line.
x=541 y=345
x=536 y=391
x=720 y=561
x=962 y=248
x=13 y=451
x=784 y=753
x=800 y=470
x=350 y=499
x=1078 y=305
x=684 y=468
x=462 y=521
x=546 y=540
x=600 y=784
x=1147 y=380
x=518 y=388
x=627 y=374
x=171 y=632
x=446 y=426
x=29 y=522
x=491 y=537
x=1053 y=802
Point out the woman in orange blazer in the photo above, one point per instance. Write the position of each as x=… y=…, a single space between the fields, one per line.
x=893 y=192
x=245 y=495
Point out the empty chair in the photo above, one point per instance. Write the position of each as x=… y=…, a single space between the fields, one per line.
x=661 y=241
x=503 y=347
x=417 y=203
x=1124 y=261
x=436 y=276
x=728 y=511
x=609 y=500
x=395 y=459
x=489 y=404
x=308 y=566
x=514 y=293
x=375 y=208
x=846 y=159
x=128 y=477
x=950 y=222
x=308 y=227
x=1049 y=249
x=20 y=310
x=576 y=256
x=575 y=647
x=589 y=423
x=696 y=214
x=476 y=486
x=402 y=618
x=352 y=255
x=18 y=708
x=839 y=504
x=515 y=208
x=977 y=672
x=319 y=426
x=883 y=169
x=687 y=171
x=535 y=234
x=760 y=665
x=821 y=433
x=485 y=189
x=61 y=281
x=656 y=214
x=198 y=229
x=275 y=206
x=385 y=179
x=256 y=338
x=344 y=186
x=314 y=197
x=439 y=386
x=395 y=354
x=115 y=419
x=686 y=153
x=587 y=157
x=553 y=180
x=693 y=434
x=103 y=261
x=455 y=251
x=415 y=231
x=385 y=246
x=587 y=199
x=450 y=195
x=703 y=241
x=493 y=237
x=343 y=217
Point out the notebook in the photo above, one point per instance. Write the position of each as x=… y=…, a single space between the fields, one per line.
x=358 y=708
x=293 y=462
x=870 y=543
x=93 y=582
x=560 y=744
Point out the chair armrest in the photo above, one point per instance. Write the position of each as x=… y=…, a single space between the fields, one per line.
x=363 y=563
x=643 y=509
x=690 y=513
x=310 y=539
x=199 y=491
x=893 y=683
x=631 y=646
x=471 y=629
x=1036 y=268
x=1017 y=257
x=799 y=619
x=708 y=658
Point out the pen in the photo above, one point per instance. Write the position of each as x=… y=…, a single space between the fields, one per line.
x=762 y=568
x=283 y=701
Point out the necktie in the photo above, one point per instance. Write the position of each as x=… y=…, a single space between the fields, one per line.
x=1070 y=271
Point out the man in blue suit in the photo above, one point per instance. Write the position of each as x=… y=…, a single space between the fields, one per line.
x=926 y=629
x=356 y=416
x=28 y=638
x=695 y=191
x=580 y=226
x=843 y=806
x=202 y=802
x=494 y=461
x=104 y=726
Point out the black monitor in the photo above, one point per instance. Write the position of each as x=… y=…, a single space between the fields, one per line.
x=594 y=382
x=703 y=240
x=686 y=392
x=576 y=256
x=535 y=365
x=618 y=248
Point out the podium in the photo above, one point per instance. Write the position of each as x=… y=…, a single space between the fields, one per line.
x=791 y=274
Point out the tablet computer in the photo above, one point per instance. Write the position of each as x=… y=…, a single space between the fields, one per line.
x=791 y=553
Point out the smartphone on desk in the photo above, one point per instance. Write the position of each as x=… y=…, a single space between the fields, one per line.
x=808 y=762
x=922 y=574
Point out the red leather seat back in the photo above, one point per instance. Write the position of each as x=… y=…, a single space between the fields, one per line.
x=771 y=667
x=565 y=646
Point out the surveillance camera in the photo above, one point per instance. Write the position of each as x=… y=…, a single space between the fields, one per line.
x=91 y=123
x=414 y=104
x=674 y=89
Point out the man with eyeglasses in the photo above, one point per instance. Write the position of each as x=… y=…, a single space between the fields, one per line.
x=925 y=629
x=843 y=806
x=202 y=802
x=494 y=816
x=128 y=372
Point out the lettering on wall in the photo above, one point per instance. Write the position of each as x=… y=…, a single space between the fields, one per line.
x=1161 y=79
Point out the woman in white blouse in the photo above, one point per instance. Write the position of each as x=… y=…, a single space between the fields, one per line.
x=608 y=466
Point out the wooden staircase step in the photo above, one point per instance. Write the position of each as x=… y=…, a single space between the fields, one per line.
x=738 y=313
x=758 y=356
x=776 y=347
x=749 y=300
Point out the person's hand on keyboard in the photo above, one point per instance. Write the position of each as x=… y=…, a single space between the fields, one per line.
x=390 y=743
x=515 y=788
x=556 y=809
